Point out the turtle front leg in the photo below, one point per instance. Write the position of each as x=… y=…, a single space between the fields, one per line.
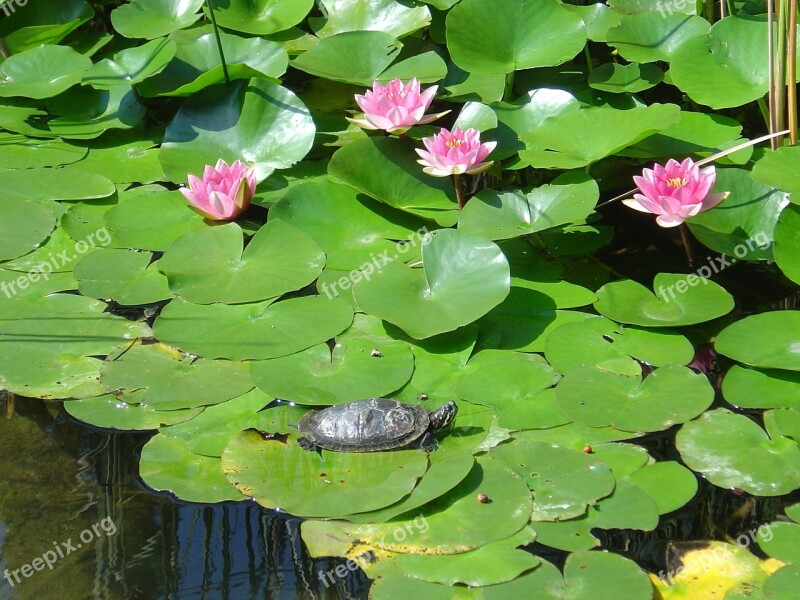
x=428 y=442
x=307 y=444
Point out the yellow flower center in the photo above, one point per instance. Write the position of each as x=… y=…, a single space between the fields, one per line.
x=676 y=182
x=453 y=143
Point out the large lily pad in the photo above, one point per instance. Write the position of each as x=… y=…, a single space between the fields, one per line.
x=262 y=17
x=162 y=378
x=681 y=300
x=770 y=340
x=24 y=224
x=153 y=18
x=756 y=388
x=654 y=36
x=126 y=276
x=42 y=72
x=252 y=331
x=514 y=35
x=463 y=277
x=787 y=242
x=389 y=16
x=255 y=121
x=277 y=473
x=599 y=397
x=132 y=65
x=109 y=412
x=732 y=451
x=65 y=183
x=777 y=169
x=278 y=259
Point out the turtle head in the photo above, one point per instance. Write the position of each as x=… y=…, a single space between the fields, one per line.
x=442 y=418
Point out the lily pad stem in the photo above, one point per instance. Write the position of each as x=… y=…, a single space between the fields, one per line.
x=219 y=41
x=3 y=49
x=462 y=200
x=9 y=406
x=687 y=244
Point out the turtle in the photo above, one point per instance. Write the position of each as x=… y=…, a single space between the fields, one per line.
x=374 y=424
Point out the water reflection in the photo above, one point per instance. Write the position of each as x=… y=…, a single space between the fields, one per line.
x=58 y=480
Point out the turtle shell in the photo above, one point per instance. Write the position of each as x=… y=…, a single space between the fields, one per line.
x=366 y=425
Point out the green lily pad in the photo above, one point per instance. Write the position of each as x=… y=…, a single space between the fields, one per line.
x=463 y=277
x=787 y=242
x=515 y=35
x=494 y=563
x=578 y=138
x=164 y=379
x=168 y=465
x=357 y=368
x=130 y=66
x=126 y=276
x=121 y=160
x=278 y=259
x=654 y=36
x=42 y=72
x=210 y=432
x=668 y=483
x=576 y=435
x=51 y=22
x=277 y=473
x=151 y=19
x=36 y=372
x=770 y=340
x=356 y=57
x=669 y=395
x=681 y=300
x=501 y=215
x=65 y=183
x=777 y=169
x=20 y=152
x=386 y=169
x=352 y=230
x=252 y=331
x=261 y=17
x=621 y=79
x=388 y=16
x=109 y=412
x=594 y=341
x=564 y=482
x=132 y=225
x=756 y=388
x=731 y=451
x=24 y=225
x=722 y=68
x=501 y=379
x=273 y=129
x=196 y=64
x=453 y=523
x=742 y=226
x=97 y=112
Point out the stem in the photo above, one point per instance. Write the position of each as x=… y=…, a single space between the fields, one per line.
x=766 y=114
x=687 y=243
x=462 y=200
x=3 y=49
x=9 y=406
x=219 y=41
x=587 y=53
x=509 y=90
x=772 y=123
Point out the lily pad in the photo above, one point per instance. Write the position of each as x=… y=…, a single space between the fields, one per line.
x=42 y=72
x=126 y=276
x=787 y=242
x=65 y=183
x=162 y=378
x=24 y=224
x=270 y=127
x=277 y=473
x=20 y=152
x=463 y=277
x=621 y=79
x=770 y=340
x=515 y=35
x=278 y=259
x=131 y=66
x=252 y=331
x=386 y=169
x=168 y=465
x=388 y=16
x=777 y=169
x=154 y=18
x=681 y=300
x=356 y=368
x=261 y=17
x=731 y=451
x=109 y=412
x=501 y=215
x=756 y=388
x=655 y=35
x=599 y=397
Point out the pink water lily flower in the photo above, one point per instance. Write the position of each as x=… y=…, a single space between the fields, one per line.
x=224 y=192
x=395 y=107
x=675 y=191
x=455 y=152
